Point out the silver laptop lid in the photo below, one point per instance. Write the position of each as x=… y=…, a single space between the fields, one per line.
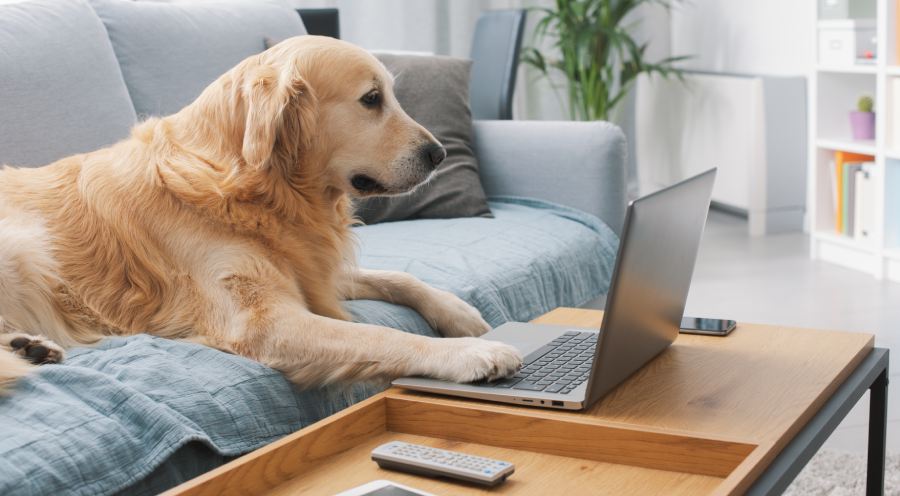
x=650 y=284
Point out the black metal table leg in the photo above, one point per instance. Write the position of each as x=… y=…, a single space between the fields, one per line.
x=872 y=375
x=877 y=433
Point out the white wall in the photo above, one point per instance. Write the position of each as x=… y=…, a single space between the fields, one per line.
x=773 y=37
x=446 y=27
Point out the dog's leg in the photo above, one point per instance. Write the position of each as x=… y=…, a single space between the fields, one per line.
x=444 y=311
x=275 y=328
x=313 y=350
x=27 y=279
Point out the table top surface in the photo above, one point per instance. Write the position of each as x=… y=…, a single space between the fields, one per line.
x=752 y=384
x=759 y=385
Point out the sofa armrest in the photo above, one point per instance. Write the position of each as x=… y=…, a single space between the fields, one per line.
x=577 y=164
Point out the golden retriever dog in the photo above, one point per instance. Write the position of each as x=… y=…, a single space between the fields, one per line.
x=228 y=224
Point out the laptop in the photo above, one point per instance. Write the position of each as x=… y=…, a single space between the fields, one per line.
x=571 y=368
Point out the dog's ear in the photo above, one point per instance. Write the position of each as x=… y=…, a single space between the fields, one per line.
x=268 y=93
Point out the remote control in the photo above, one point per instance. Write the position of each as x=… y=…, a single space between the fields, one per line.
x=424 y=460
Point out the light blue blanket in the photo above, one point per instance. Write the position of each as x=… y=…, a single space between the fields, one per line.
x=140 y=414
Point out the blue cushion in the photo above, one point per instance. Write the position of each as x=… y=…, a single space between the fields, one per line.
x=532 y=258
x=61 y=91
x=111 y=415
x=170 y=52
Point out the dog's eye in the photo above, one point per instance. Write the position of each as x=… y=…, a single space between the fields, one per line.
x=371 y=99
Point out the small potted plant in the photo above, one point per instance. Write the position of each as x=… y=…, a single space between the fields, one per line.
x=862 y=120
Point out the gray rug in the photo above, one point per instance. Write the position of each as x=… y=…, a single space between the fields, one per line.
x=836 y=473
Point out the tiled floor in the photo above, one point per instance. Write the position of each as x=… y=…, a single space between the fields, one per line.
x=772 y=280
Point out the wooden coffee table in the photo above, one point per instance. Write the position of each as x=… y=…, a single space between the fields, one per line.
x=711 y=415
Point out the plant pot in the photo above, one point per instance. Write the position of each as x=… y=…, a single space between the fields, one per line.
x=862 y=124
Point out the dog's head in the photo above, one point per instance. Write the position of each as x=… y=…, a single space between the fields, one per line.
x=316 y=99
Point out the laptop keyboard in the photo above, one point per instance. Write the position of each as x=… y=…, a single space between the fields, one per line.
x=557 y=367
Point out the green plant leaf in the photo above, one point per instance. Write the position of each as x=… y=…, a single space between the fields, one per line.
x=535 y=59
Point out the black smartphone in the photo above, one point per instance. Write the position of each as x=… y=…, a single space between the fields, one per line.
x=710 y=327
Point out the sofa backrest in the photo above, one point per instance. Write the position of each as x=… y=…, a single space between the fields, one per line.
x=75 y=75
x=61 y=91
x=170 y=51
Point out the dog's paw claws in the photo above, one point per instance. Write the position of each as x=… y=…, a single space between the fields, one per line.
x=480 y=359
x=35 y=349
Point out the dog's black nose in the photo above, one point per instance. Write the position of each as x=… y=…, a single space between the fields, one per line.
x=434 y=154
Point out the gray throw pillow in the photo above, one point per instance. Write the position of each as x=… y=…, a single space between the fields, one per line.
x=434 y=90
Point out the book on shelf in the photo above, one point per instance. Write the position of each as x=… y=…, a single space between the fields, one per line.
x=848 y=200
x=841 y=191
x=865 y=186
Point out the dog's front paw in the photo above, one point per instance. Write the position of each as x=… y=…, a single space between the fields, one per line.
x=472 y=359
x=36 y=349
x=454 y=318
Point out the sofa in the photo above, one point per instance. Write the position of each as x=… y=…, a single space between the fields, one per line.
x=139 y=414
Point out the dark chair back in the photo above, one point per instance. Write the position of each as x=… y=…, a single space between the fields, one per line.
x=495 y=61
x=321 y=22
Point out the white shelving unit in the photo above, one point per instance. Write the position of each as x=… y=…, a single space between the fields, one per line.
x=833 y=92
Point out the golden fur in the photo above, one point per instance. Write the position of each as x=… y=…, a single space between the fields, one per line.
x=228 y=223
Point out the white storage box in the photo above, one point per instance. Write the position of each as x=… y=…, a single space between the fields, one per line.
x=846 y=41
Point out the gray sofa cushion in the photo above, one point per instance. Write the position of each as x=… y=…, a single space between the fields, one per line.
x=61 y=91
x=434 y=91
x=577 y=164
x=532 y=257
x=169 y=52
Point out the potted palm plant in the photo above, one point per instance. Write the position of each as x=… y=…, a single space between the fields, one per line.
x=593 y=49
